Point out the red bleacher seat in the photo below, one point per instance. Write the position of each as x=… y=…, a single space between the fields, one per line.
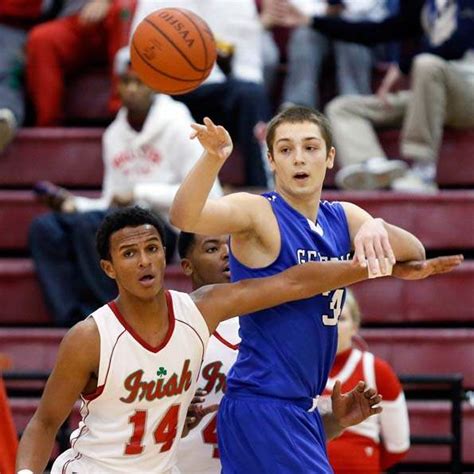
x=383 y=301
x=52 y=153
x=440 y=221
x=425 y=351
x=25 y=303
x=443 y=298
x=433 y=418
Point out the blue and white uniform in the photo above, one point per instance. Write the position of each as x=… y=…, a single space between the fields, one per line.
x=267 y=421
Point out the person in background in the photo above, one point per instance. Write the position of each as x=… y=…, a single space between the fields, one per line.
x=146 y=154
x=380 y=441
x=441 y=92
x=307 y=48
x=89 y=35
x=234 y=94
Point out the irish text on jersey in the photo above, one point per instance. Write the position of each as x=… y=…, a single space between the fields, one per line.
x=139 y=389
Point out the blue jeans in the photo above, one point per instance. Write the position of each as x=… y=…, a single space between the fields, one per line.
x=67 y=264
x=12 y=61
x=307 y=49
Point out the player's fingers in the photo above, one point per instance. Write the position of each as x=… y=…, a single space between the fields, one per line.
x=375 y=400
x=380 y=253
x=370 y=392
x=359 y=253
x=210 y=409
x=388 y=249
x=200 y=392
x=209 y=124
x=376 y=410
x=360 y=386
x=371 y=256
x=336 y=391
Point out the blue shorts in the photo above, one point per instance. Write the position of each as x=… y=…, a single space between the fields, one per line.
x=263 y=435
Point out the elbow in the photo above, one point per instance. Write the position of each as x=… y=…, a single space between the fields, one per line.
x=178 y=219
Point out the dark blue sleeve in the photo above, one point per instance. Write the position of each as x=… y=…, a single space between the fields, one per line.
x=405 y=24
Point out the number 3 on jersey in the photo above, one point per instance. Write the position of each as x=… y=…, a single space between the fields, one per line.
x=336 y=306
x=165 y=432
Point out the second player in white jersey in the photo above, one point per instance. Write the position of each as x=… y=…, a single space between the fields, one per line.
x=137 y=433
x=198 y=452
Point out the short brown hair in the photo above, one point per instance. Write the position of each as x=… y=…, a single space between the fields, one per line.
x=299 y=114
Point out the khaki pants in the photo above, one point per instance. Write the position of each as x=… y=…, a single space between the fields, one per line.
x=441 y=94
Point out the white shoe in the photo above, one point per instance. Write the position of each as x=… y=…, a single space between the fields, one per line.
x=413 y=183
x=7 y=127
x=376 y=173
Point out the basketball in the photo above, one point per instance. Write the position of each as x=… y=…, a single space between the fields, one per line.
x=173 y=50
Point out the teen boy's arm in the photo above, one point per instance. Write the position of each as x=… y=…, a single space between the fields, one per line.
x=77 y=361
x=192 y=211
x=223 y=301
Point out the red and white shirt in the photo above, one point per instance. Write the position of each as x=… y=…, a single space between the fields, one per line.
x=133 y=422
x=198 y=453
x=381 y=440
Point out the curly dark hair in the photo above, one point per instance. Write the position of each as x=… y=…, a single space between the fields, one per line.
x=121 y=218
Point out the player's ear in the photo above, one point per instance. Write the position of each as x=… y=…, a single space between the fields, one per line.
x=108 y=268
x=271 y=161
x=187 y=267
x=330 y=158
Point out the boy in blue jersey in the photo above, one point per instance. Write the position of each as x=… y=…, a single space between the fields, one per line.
x=267 y=420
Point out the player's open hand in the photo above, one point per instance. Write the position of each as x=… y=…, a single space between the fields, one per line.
x=419 y=269
x=197 y=411
x=372 y=247
x=215 y=139
x=355 y=406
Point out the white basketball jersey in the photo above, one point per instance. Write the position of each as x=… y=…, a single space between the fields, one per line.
x=198 y=452
x=133 y=422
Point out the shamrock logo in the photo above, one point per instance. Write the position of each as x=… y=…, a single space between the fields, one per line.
x=161 y=372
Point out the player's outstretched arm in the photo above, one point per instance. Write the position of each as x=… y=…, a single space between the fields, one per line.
x=224 y=301
x=191 y=210
x=77 y=361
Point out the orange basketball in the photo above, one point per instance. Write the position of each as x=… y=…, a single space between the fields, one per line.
x=173 y=50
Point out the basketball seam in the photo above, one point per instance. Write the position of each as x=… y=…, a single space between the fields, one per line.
x=162 y=72
x=190 y=18
x=175 y=47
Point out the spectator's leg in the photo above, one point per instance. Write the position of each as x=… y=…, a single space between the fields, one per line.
x=358 y=152
x=271 y=61
x=306 y=51
x=354 y=120
x=52 y=251
x=55 y=49
x=440 y=95
x=238 y=106
x=353 y=68
x=12 y=106
x=117 y=24
x=100 y=288
x=250 y=107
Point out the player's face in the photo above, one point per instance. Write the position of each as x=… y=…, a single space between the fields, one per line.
x=135 y=95
x=300 y=159
x=208 y=261
x=137 y=261
x=346 y=329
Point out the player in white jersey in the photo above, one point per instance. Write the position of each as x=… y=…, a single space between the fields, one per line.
x=135 y=361
x=205 y=259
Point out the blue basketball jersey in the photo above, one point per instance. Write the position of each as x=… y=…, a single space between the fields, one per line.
x=287 y=351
